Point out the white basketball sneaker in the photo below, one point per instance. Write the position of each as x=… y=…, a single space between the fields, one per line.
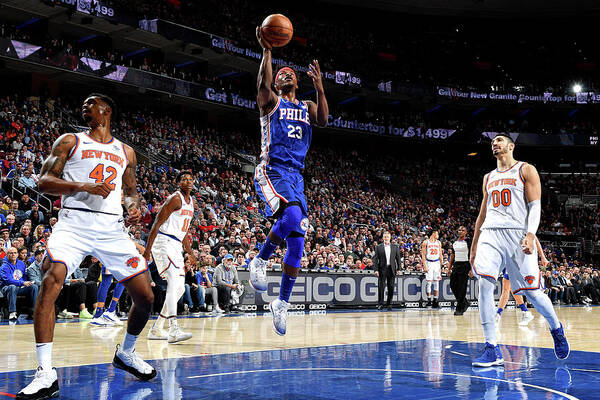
x=177 y=335
x=101 y=321
x=279 y=310
x=133 y=364
x=157 y=334
x=258 y=274
x=43 y=386
x=525 y=317
x=111 y=316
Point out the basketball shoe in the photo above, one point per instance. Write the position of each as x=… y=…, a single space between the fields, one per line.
x=111 y=316
x=279 y=310
x=525 y=317
x=491 y=356
x=43 y=386
x=133 y=364
x=258 y=274
x=157 y=334
x=561 y=345
x=177 y=335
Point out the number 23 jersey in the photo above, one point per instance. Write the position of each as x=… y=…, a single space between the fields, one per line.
x=286 y=133
x=506 y=206
x=91 y=161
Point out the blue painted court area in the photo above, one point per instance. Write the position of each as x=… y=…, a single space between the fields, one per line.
x=415 y=369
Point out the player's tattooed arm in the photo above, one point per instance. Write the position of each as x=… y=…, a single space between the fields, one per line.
x=319 y=112
x=132 y=198
x=51 y=180
x=266 y=98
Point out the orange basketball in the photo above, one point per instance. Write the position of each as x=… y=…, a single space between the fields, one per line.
x=277 y=29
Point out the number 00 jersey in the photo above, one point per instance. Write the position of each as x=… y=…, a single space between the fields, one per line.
x=178 y=222
x=96 y=162
x=286 y=133
x=506 y=204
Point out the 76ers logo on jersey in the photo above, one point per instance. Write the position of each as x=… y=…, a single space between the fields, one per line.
x=133 y=262
x=304 y=224
x=530 y=279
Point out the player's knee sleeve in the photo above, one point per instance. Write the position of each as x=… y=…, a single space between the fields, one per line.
x=428 y=286
x=295 y=247
x=290 y=221
x=436 y=286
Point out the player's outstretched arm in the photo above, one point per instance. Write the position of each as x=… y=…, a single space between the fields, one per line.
x=319 y=112
x=479 y=222
x=51 y=181
x=266 y=98
x=173 y=203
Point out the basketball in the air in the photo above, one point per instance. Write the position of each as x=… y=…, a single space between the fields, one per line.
x=277 y=29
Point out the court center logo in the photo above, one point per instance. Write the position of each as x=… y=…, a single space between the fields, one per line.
x=530 y=279
x=133 y=262
x=304 y=224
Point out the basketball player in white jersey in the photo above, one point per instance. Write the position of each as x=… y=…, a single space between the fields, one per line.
x=431 y=251
x=167 y=239
x=89 y=169
x=505 y=238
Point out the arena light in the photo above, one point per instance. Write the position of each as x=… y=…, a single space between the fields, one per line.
x=577 y=88
x=472 y=154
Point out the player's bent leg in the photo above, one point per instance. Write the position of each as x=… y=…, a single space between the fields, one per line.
x=543 y=304
x=175 y=333
x=289 y=221
x=45 y=382
x=125 y=356
x=291 y=266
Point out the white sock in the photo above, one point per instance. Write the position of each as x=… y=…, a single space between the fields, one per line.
x=129 y=342
x=44 y=355
x=160 y=322
x=543 y=304
x=487 y=309
x=172 y=323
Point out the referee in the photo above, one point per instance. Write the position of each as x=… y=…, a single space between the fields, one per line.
x=459 y=270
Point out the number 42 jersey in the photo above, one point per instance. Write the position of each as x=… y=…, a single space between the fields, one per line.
x=286 y=133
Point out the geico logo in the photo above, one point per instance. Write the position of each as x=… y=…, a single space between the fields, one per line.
x=265 y=307
x=250 y=315
x=445 y=303
x=413 y=304
x=301 y=306
x=317 y=312
x=475 y=303
x=295 y=312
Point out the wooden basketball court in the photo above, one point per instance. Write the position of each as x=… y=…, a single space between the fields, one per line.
x=329 y=354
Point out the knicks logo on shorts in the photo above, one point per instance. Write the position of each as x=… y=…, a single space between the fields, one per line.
x=529 y=279
x=133 y=262
x=304 y=224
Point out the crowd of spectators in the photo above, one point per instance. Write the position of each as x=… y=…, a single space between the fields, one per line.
x=353 y=197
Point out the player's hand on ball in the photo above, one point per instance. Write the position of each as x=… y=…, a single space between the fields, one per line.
x=314 y=72
x=527 y=244
x=134 y=215
x=100 y=189
x=261 y=40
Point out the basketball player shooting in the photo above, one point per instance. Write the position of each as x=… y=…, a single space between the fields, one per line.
x=505 y=238
x=286 y=131
x=89 y=169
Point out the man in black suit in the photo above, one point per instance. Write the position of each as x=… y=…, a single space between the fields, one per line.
x=386 y=262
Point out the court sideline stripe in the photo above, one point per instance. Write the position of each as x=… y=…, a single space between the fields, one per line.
x=566 y=395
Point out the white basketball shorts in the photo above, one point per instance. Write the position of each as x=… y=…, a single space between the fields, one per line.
x=501 y=248
x=168 y=256
x=78 y=234
x=434 y=271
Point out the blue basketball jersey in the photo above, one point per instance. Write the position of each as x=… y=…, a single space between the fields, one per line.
x=286 y=133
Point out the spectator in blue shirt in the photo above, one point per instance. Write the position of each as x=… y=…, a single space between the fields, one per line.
x=205 y=286
x=34 y=271
x=13 y=284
